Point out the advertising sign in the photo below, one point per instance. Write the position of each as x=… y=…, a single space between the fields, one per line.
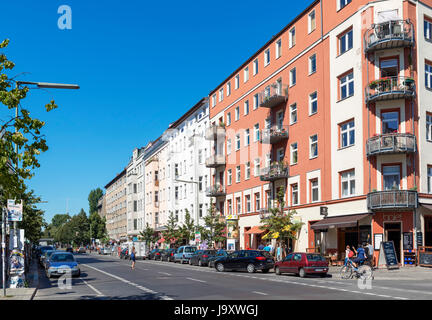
x=197 y=237
x=16 y=239
x=14 y=210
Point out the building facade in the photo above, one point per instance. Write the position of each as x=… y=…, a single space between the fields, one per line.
x=101 y=207
x=334 y=111
x=116 y=211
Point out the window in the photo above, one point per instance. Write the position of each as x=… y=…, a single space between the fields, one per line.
x=292 y=77
x=390 y=121
x=228 y=88
x=238 y=201
x=278 y=48
x=228 y=146
x=237 y=142
x=429 y=179
x=391 y=177
x=345 y=42
x=347 y=134
x=246 y=74
x=314 y=190
x=312 y=64
x=346 y=84
x=248 y=203
x=347 y=183
x=256 y=132
x=428 y=76
x=427 y=29
x=237 y=81
x=237 y=113
x=229 y=207
x=293 y=113
x=200 y=158
x=200 y=185
x=247 y=137
x=429 y=127
x=221 y=94
x=256 y=167
x=294 y=194
x=247 y=170
x=266 y=57
x=213 y=100
x=228 y=118
x=292 y=38
x=312 y=21
x=238 y=174
x=343 y=3
x=257 y=202
x=313 y=140
x=294 y=151
x=280 y=154
x=246 y=107
x=313 y=103
x=256 y=101
x=229 y=176
x=255 y=67
x=200 y=210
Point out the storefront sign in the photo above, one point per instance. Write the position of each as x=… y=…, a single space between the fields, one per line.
x=408 y=241
x=387 y=255
x=378 y=238
x=232 y=217
x=324 y=211
x=425 y=259
x=392 y=217
x=419 y=238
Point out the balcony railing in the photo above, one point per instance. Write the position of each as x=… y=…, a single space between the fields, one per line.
x=216 y=190
x=388 y=35
x=390 y=88
x=216 y=131
x=273 y=95
x=274 y=172
x=274 y=134
x=391 y=143
x=215 y=161
x=392 y=200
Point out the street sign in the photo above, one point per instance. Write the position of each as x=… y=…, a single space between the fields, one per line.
x=14 y=210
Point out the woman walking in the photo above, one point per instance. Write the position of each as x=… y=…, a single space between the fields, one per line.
x=133 y=258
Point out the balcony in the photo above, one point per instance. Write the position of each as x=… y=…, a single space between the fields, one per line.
x=390 y=88
x=274 y=134
x=389 y=35
x=215 y=161
x=391 y=143
x=216 y=190
x=273 y=95
x=216 y=131
x=274 y=172
x=392 y=200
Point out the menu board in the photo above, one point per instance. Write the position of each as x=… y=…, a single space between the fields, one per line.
x=425 y=259
x=388 y=255
x=419 y=238
x=408 y=238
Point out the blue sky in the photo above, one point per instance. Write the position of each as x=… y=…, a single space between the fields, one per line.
x=140 y=66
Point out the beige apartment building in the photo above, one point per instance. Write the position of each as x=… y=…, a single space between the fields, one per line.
x=116 y=213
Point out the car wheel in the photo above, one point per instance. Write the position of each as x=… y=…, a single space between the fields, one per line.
x=200 y=263
x=277 y=271
x=265 y=270
x=181 y=261
x=302 y=273
x=323 y=275
x=190 y=261
x=220 y=267
x=250 y=268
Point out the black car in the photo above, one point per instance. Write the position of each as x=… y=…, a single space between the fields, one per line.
x=69 y=250
x=168 y=255
x=124 y=254
x=201 y=257
x=219 y=254
x=250 y=260
x=155 y=254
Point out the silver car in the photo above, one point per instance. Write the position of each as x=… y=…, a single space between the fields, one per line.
x=184 y=253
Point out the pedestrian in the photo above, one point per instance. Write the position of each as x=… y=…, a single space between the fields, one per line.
x=132 y=256
x=369 y=253
x=348 y=254
x=279 y=252
x=119 y=250
x=261 y=246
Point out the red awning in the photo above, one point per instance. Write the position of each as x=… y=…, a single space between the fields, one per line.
x=161 y=240
x=255 y=230
x=339 y=221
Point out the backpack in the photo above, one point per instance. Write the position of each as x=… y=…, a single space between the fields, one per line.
x=351 y=254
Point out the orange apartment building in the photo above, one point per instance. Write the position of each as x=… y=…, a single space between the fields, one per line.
x=336 y=109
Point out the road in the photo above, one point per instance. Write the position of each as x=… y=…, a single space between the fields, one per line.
x=106 y=277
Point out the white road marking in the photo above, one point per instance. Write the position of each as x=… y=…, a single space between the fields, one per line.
x=91 y=287
x=196 y=280
x=128 y=282
x=261 y=293
x=165 y=273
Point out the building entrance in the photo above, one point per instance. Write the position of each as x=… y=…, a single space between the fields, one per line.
x=393 y=233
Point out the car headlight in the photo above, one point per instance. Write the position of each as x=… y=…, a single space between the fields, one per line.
x=52 y=269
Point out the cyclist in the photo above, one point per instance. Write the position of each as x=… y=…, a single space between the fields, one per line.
x=361 y=256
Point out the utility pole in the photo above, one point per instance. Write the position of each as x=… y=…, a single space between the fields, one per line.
x=3 y=245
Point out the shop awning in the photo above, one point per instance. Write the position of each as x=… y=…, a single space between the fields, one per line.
x=161 y=240
x=427 y=206
x=254 y=230
x=339 y=221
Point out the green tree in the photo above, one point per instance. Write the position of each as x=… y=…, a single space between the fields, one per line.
x=80 y=228
x=214 y=227
x=97 y=226
x=148 y=235
x=187 y=230
x=59 y=219
x=93 y=199
x=171 y=234
x=32 y=222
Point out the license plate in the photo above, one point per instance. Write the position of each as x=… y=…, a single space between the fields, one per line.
x=62 y=271
x=319 y=269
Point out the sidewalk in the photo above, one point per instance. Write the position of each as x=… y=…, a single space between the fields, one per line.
x=403 y=273
x=24 y=293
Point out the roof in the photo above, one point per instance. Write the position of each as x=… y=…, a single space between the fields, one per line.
x=118 y=176
x=188 y=113
x=339 y=221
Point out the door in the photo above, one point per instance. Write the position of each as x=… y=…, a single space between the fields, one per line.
x=296 y=262
x=231 y=260
x=286 y=263
x=393 y=233
x=428 y=231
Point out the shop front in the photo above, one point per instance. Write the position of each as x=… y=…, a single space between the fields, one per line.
x=232 y=229
x=253 y=237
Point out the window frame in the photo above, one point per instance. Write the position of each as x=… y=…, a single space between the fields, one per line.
x=311 y=143
x=311 y=101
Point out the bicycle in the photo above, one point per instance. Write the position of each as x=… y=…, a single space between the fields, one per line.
x=363 y=271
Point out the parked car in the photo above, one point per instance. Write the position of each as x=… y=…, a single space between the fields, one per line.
x=219 y=254
x=42 y=249
x=302 y=263
x=47 y=257
x=250 y=260
x=124 y=254
x=69 y=249
x=104 y=250
x=155 y=254
x=82 y=250
x=201 y=257
x=184 y=253
x=44 y=256
x=168 y=255
x=60 y=263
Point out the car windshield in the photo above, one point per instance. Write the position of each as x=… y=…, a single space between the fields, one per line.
x=189 y=249
x=45 y=249
x=62 y=258
x=315 y=257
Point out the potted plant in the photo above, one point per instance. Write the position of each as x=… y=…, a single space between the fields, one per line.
x=408 y=82
x=374 y=84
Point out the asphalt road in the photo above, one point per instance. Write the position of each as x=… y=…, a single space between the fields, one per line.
x=106 y=277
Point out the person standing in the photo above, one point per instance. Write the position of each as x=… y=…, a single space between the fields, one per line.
x=132 y=256
x=261 y=246
x=279 y=253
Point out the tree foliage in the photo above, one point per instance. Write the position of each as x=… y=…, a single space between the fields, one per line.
x=93 y=199
x=148 y=235
x=171 y=234
x=187 y=230
x=214 y=226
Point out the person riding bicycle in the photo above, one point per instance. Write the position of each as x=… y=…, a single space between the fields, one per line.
x=361 y=256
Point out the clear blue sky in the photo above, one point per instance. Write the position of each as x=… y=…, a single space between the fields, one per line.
x=140 y=65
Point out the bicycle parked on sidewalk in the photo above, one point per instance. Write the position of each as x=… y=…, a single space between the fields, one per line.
x=363 y=271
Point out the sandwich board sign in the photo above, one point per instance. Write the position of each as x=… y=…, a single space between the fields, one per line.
x=387 y=255
x=14 y=210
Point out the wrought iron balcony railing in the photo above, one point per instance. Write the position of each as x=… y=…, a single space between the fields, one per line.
x=388 y=35
x=390 y=88
x=274 y=134
x=274 y=172
x=216 y=190
x=273 y=95
x=392 y=200
x=215 y=161
x=391 y=143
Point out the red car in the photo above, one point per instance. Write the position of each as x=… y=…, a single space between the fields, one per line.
x=302 y=264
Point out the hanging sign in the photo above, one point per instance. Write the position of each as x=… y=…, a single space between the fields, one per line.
x=14 y=210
